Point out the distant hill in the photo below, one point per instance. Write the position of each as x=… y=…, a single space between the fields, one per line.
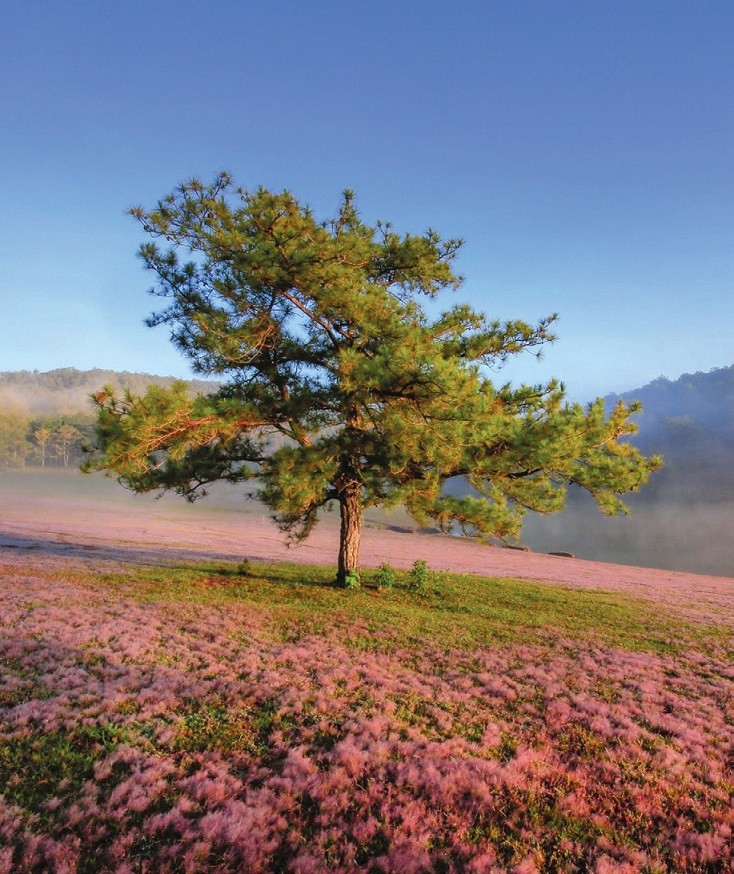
x=706 y=398
x=690 y=421
x=66 y=390
x=683 y=519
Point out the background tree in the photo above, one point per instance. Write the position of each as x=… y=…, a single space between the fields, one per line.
x=66 y=437
x=337 y=384
x=14 y=443
x=42 y=436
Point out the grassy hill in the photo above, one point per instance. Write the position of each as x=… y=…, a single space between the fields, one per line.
x=182 y=717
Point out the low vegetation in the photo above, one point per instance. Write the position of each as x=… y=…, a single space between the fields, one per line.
x=255 y=718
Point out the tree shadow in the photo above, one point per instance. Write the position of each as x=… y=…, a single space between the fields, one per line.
x=218 y=564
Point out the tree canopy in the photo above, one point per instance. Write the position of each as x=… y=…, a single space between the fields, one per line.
x=336 y=385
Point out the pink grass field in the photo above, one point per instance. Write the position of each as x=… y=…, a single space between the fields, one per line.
x=220 y=745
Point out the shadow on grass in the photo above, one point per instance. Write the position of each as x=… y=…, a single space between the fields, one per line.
x=284 y=573
x=454 y=610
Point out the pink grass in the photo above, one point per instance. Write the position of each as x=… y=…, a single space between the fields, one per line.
x=527 y=758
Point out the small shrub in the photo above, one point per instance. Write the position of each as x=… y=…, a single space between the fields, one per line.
x=385 y=578
x=351 y=580
x=419 y=577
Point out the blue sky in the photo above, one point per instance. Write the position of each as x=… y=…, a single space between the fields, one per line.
x=583 y=151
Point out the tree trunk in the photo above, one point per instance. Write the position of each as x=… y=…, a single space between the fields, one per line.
x=350 y=533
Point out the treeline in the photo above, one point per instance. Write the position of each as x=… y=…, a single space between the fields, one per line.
x=47 y=418
x=704 y=400
x=44 y=441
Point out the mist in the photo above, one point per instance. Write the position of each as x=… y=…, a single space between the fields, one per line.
x=667 y=534
x=68 y=390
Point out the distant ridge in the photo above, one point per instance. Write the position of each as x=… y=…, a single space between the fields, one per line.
x=704 y=397
x=690 y=421
x=683 y=518
x=67 y=390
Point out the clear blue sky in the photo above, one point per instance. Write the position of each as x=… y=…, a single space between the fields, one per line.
x=584 y=150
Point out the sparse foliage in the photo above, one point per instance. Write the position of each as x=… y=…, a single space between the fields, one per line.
x=337 y=385
x=66 y=436
x=351 y=580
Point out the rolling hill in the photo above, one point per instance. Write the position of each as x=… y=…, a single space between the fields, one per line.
x=690 y=421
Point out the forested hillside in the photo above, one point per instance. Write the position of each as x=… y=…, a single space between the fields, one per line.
x=46 y=418
x=690 y=421
x=684 y=517
x=66 y=390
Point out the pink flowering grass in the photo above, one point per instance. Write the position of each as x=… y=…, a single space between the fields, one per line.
x=205 y=719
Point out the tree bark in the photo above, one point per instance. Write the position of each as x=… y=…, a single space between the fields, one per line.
x=350 y=533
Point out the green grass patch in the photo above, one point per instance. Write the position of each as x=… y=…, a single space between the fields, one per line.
x=36 y=768
x=459 y=610
x=214 y=728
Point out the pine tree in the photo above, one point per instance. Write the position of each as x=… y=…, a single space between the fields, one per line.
x=42 y=437
x=336 y=384
x=66 y=436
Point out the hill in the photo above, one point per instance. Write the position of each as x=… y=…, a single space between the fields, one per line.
x=684 y=517
x=703 y=399
x=172 y=716
x=66 y=390
x=690 y=421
